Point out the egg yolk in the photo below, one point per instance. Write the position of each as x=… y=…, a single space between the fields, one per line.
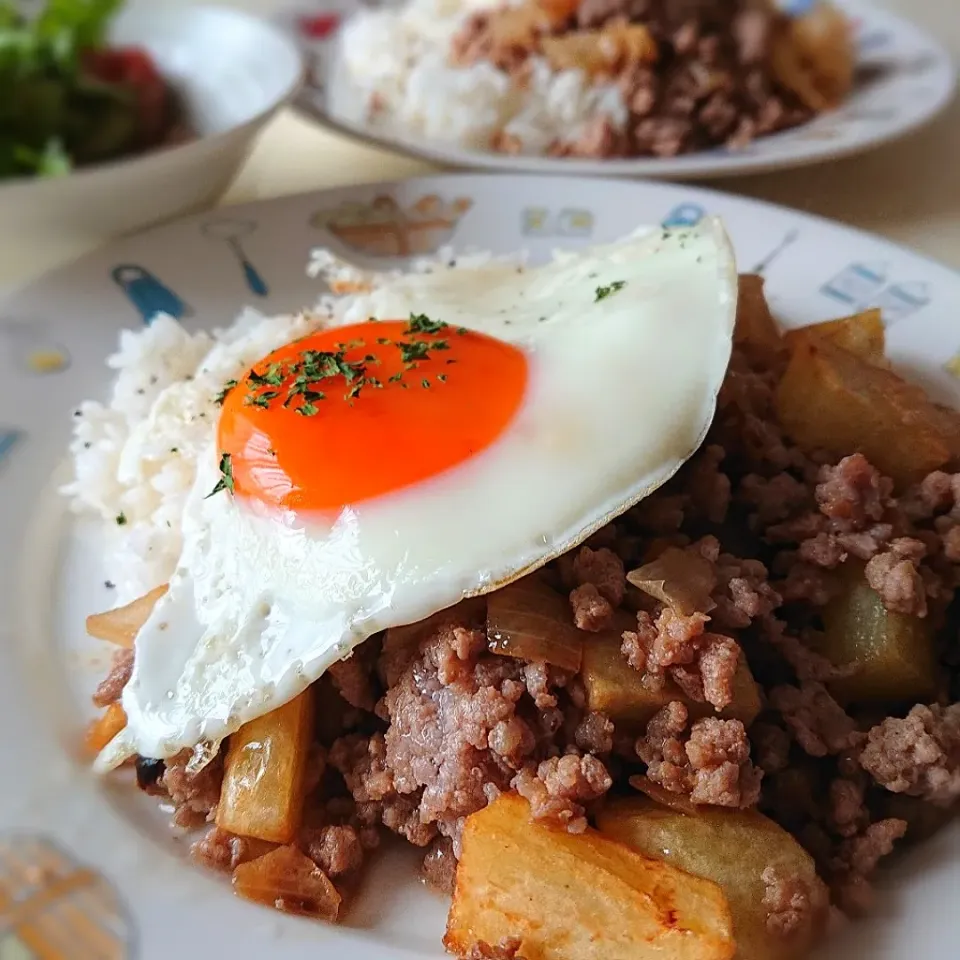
x=359 y=411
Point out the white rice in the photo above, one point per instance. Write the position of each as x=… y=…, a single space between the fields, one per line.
x=396 y=60
x=135 y=455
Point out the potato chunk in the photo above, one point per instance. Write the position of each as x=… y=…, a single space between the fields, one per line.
x=615 y=688
x=121 y=626
x=577 y=896
x=733 y=848
x=862 y=334
x=895 y=653
x=288 y=880
x=830 y=399
x=262 y=794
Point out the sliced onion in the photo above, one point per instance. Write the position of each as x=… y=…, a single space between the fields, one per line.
x=679 y=578
x=680 y=802
x=530 y=621
x=122 y=625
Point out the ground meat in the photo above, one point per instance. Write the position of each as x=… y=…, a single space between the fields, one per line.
x=439 y=868
x=559 y=788
x=591 y=610
x=791 y=905
x=506 y=949
x=604 y=569
x=702 y=664
x=711 y=763
x=195 y=795
x=806 y=662
x=352 y=679
x=707 y=486
x=894 y=574
x=853 y=493
x=363 y=764
x=742 y=593
x=858 y=859
x=599 y=137
x=112 y=686
x=770 y=747
x=818 y=723
x=334 y=849
x=221 y=850
x=918 y=755
x=594 y=733
x=461 y=723
x=848 y=813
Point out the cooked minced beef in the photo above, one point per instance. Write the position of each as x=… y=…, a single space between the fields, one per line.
x=558 y=789
x=818 y=723
x=439 y=869
x=119 y=676
x=676 y=647
x=790 y=902
x=221 y=850
x=334 y=849
x=710 y=85
x=918 y=754
x=710 y=762
x=194 y=795
x=417 y=731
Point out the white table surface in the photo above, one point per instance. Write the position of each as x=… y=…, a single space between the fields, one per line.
x=908 y=191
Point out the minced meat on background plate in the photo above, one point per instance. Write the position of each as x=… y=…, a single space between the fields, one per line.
x=592 y=78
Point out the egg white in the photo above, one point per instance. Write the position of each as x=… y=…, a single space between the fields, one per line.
x=622 y=390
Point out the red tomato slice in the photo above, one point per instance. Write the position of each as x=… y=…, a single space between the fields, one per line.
x=134 y=68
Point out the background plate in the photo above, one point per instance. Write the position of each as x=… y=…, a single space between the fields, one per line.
x=905 y=78
x=113 y=880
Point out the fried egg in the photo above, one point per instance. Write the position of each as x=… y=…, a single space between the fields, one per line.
x=479 y=423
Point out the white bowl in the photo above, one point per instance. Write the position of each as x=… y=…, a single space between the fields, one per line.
x=231 y=71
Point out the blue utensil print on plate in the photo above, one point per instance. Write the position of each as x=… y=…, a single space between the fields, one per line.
x=8 y=437
x=147 y=293
x=684 y=215
x=789 y=239
x=232 y=232
x=857 y=284
x=899 y=300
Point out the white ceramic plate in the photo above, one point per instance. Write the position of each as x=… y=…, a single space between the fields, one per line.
x=111 y=875
x=905 y=78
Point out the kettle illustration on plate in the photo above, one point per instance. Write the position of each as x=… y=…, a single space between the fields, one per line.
x=148 y=294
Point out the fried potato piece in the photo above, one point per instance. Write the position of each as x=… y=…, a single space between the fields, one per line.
x=577 y=896
x=895 y=653
x=288 y=880
x=102 y=730
x=815 y=56
x=862 y=334
x=263 y=782
x=598 y=52
x=614 y=688
x=831 y=399
x=733 y=848
x=755 y=326
x=121 y=626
